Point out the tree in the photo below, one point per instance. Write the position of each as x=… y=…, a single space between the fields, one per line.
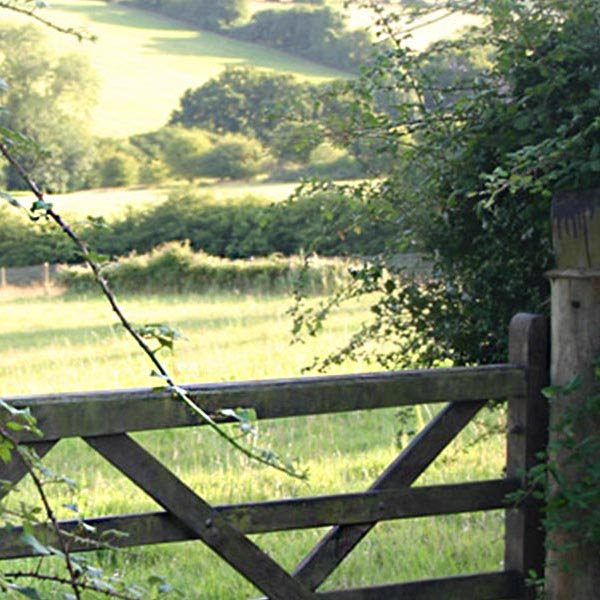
x=318 y=34
x=48 y=99
x=243 y=100
x=206 y=14
x=472 y=163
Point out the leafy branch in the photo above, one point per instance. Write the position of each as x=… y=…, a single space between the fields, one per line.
x=81 y=576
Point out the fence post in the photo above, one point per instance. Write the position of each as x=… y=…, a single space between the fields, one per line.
x=46 y=277
x=3 y=277
x=573 y=565
x=527 y=435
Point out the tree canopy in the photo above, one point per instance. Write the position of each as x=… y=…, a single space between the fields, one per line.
x=47 y=98
x=479 y=133
x=243 y=100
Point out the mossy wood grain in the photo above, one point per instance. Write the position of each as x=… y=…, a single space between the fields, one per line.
x=294 y=513
x=121 y=411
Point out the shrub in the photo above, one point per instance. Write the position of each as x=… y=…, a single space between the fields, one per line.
x=232 y=157
x=173 y=267
x=183 y=149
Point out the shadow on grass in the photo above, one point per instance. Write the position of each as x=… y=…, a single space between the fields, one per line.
x=199 y=43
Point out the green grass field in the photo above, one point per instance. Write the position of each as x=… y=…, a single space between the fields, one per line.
x=60 y=343
x=111 y=202
x=145 y=61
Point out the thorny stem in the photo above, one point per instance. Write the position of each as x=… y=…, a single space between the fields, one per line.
x=65 y=582
x=177 y=391
x=73 y=580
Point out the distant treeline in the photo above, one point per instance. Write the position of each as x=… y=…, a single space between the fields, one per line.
x=317 y=33
x=323 y=222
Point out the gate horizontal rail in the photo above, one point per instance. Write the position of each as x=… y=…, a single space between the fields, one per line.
x=104 y=420
x=111 y=412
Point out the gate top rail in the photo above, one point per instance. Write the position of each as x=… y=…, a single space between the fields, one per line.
x=119 y=411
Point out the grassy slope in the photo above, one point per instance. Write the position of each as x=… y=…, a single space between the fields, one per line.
x=146 y=61
x=69 y=344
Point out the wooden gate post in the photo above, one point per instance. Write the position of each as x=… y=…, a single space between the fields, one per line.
x=527 y=436
x=575 y=343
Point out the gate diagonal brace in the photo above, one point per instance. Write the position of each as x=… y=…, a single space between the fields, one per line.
x=337 y=544
x=182 y=502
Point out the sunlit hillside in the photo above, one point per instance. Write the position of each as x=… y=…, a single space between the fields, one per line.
x=146 y=61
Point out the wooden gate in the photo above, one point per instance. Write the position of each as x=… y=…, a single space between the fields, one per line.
x=104 y=419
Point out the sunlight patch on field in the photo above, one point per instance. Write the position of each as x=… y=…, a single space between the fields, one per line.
x=145 y=61
x=113 y=202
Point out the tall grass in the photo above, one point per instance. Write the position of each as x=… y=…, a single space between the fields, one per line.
x=68 y=343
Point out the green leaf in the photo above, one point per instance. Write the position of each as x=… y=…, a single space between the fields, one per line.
x=28 y=592
x=40 y=205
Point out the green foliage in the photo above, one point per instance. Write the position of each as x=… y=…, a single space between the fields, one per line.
x=206 y=14
x=474 y=148
x=323 y=222
x=233 y=157
x=244 y=100
x=47 y=99
x=183 y=149
x=318 y=34
x=173 y=267
x=118 y=164
x=24 y=243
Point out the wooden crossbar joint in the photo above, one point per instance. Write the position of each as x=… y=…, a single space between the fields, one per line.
x=337 y=544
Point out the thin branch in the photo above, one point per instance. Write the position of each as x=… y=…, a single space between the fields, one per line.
x=263 y=458
x=33 y=14
x=50 y=515
x=64 y=581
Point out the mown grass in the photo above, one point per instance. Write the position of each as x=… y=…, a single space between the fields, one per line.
x=146 y=61
x=62 y=343
x=113 y=202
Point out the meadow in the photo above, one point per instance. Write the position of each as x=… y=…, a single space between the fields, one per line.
x=61 y=343
x=114 y=202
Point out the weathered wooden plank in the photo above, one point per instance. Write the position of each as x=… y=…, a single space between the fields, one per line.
x=527 y=427
x=506 y=585
x=106 y=413
x=296 y=513
x=15 y=470
x=402 y=472
x=177 y=498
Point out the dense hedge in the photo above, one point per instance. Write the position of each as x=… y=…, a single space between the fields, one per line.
x=173 y=267
x=323 y=223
